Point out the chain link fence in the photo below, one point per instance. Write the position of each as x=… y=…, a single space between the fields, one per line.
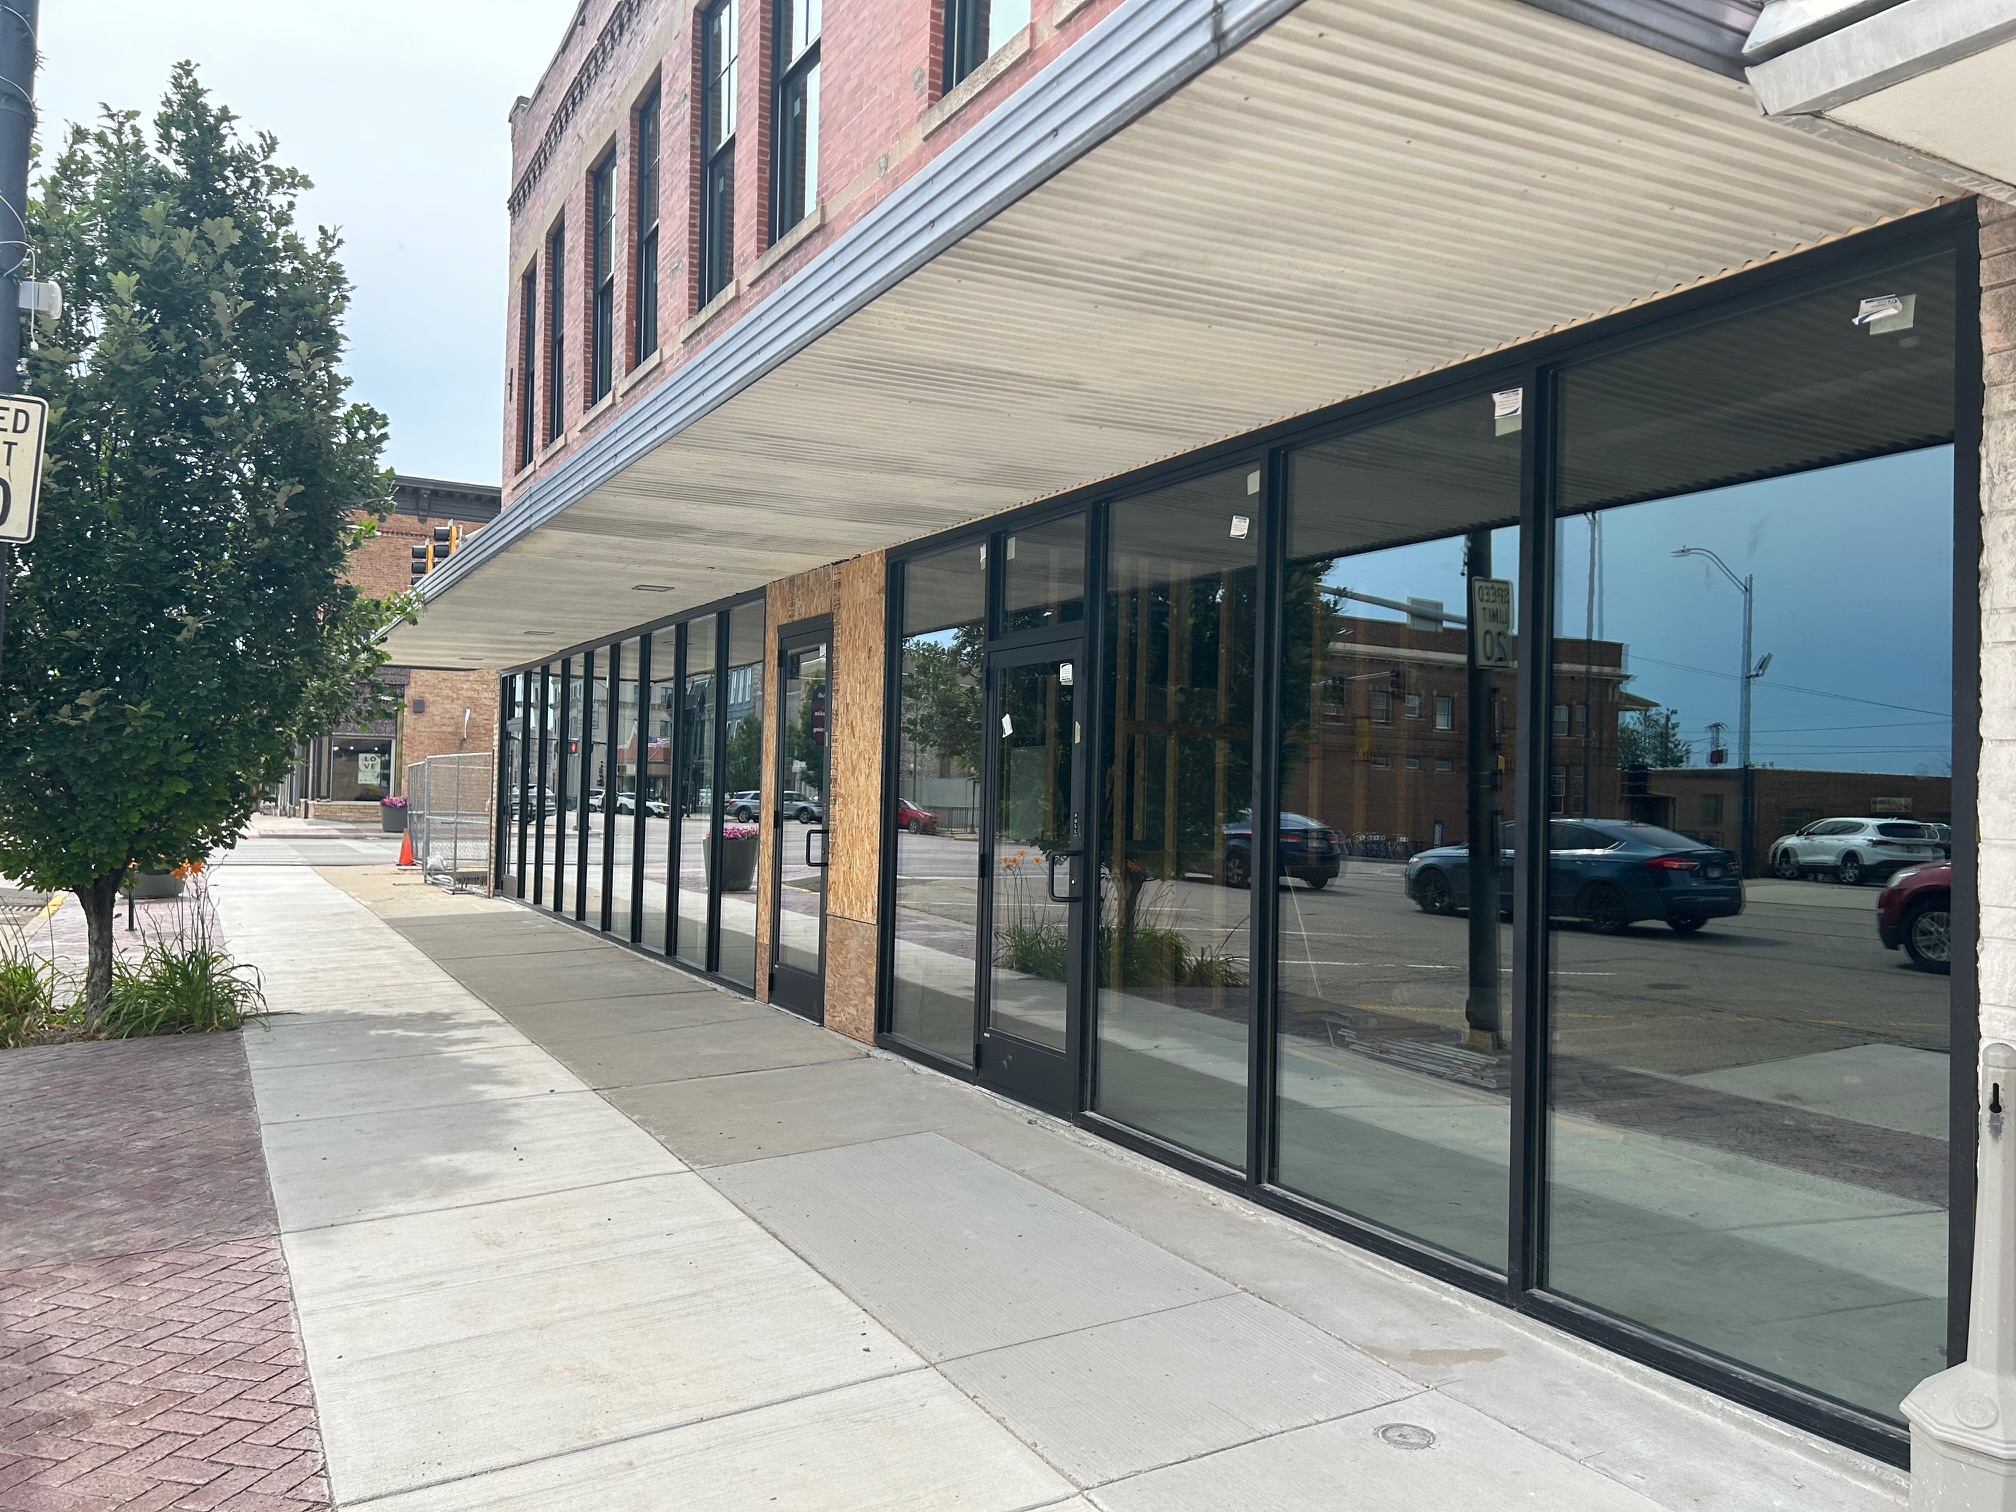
x=451 y=817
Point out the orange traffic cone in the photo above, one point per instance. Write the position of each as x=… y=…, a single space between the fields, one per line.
x=406 y=849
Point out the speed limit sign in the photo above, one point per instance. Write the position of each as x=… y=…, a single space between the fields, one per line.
x=1490 y=622
x=23 y=421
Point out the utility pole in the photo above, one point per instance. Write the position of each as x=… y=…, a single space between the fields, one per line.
x=1752 y=670
x=18 y=21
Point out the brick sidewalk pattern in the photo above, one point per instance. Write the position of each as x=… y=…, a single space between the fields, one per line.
x=165 y=1380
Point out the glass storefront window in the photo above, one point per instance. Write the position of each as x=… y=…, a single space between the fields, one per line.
x=1043 y=575
x=697 y=806
x=661 y=707
x=937 y=817
x=1392 y=963
x=742 y=782
x=1174 y=956
x=594 y=897
x=620 y=805
x=1752 y=665
x=511 y=781
x=567 y=781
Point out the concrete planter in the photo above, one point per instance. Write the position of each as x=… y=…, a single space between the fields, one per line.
x=157 y=884
x=738 y=863
x=392 y=821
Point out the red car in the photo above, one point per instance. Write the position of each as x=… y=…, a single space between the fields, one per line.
x=1913 y=913
x=914 y=819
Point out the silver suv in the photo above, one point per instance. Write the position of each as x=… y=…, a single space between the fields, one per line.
x=1856 y=850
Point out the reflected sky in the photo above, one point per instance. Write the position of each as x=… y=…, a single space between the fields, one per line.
x=1853 y=604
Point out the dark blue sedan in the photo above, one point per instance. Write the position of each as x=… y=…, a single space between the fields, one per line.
x=1309 y=850
x=1610 y=872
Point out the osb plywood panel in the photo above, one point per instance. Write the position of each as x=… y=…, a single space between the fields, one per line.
x=855 y=815
x=786 y=601
x=850 y=978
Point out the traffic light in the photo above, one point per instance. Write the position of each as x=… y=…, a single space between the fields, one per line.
x=446 y=542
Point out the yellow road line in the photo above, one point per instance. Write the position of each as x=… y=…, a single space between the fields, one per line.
x=55 y=902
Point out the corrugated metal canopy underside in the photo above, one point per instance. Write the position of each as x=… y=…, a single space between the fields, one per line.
x=1367 y=190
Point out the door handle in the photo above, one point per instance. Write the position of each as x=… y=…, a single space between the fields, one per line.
x=1050 y=879
x=821 y=862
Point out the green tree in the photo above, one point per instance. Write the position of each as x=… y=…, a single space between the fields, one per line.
x=941 y=698
x=1651 y=738
x=182 y=620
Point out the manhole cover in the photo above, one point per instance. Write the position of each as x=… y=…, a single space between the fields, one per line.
x=1407 y=1436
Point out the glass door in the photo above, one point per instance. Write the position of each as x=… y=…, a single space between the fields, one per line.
x=797 y=821
x=1032 y=852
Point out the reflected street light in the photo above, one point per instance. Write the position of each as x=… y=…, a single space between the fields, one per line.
x=1747 y=587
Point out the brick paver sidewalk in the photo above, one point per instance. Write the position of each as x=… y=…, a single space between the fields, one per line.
x=148 y=1357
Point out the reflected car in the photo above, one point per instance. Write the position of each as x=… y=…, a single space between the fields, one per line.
x=550 y=806
x=743 y=807
x=1914 y=912
x=1310 y=851
x=626 y=803
x=1610 y=873
x=801 y=806
x=1858 y=850
x=919 y=821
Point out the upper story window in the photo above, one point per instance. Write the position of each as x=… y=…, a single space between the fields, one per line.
x=556 y=332
x=528 y=367
x=717 y=148
x=602 y=259
x=975 y=30
x=647 y=225
x=794 y=126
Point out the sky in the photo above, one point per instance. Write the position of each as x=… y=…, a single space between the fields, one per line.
x=397 y=112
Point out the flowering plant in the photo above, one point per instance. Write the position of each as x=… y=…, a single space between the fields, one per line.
x=391 y=803
x=734 y=831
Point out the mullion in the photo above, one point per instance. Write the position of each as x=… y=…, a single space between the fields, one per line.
x=609 y=783
x=561 y=789
x=1268 y=737
x=640 y=781
x=502 y=826
x=602 y=340
x=675 y=790
x=524 y=781
x=587 y=760
x=545 y=742
x=719 y=737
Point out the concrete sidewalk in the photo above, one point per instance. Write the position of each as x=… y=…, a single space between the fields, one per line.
x=571 y=1229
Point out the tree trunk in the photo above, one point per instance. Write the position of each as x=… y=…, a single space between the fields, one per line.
x=101 y=901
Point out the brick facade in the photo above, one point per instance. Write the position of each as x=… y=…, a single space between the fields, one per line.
x=881 y=120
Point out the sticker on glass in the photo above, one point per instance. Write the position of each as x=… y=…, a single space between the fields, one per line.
x=1065 y=672
x=1882 y=313
x=1507 y=410
x=1242 y=525
x=1253 y=481
x=1007 y=724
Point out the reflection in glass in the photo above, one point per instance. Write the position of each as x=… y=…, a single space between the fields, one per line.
x=937 y=815
x=660 y=705
x=511 y=751
x=620 y=804
x=1174 y=964
x=696 y=807
x=594 y=882
x=578 y=780
x=1043 y=576
x=1748 y=1128
x=742 y=781
x=1393 y=965
x=804 y=720
x=1032 y=832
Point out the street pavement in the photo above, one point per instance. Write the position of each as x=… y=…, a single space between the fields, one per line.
x=568 y=1228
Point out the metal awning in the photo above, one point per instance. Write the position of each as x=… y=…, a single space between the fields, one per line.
x=1365 y=190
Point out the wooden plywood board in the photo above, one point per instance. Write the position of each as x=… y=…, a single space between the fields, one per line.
x=854 y=818
x=850 y=978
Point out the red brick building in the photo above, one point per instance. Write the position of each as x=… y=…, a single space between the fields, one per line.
x=442 y=709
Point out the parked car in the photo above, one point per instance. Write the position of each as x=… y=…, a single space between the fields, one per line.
x=919 y=821
x=1857 y=850
x=549 y=806
x=1914 y=912
x=657 y=808
x=626 y=803
x=1612 y=873
x=1310 y=850
x=743 y=807
x=803 y=807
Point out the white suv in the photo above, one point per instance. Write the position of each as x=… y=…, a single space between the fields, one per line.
x=1856 y=850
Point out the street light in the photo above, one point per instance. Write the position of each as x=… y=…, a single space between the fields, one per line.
x=1747 y=587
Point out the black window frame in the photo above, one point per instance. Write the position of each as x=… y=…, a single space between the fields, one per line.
x=528 y=366
x=602 y=277
x=794 y=155
x=556 y=331
x=716 y=124
x=644 y=328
